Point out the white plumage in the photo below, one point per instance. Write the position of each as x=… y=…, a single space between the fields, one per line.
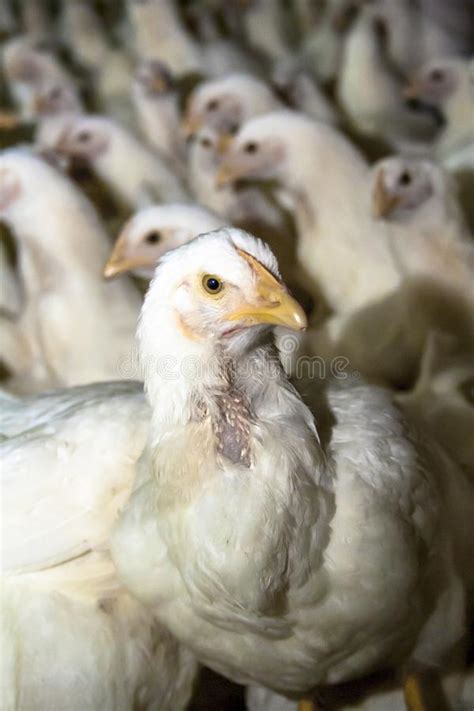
x=155 y=230
x=428 y=235
x=28 y=68
x=73 y=327
x=306 y=596
x=343 y=254
x=156 y=103
x=290 y=544
x=72 y=636
x=134 y=172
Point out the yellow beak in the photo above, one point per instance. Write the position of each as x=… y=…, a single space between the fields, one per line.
x=119 y=264
x=227 y=175
x=272 y=303
x=412 y=90
x=223 y=143
x=191 y=125
x=382 y=202
x=8 y=120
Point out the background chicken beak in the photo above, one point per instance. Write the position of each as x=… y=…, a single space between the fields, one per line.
x=191 y=126
x=8 y=120
x=226 y=175
x=382 y=202
x=223 y=143
x=411 y=91
x=273 y=304
x=119 y=264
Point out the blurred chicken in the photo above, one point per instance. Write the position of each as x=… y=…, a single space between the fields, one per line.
x=76 y=328
x=248 y=207
x=428 y=236
x=341 y=252
x=301 y=92
x=136 y=174
x=225 y=104
x=447 y=28
x=152 y=232
x=421 y=31
x=72 y=636
x=447 y=84
x=435 y=257
x=28 y=69
x=109 y=68
x=35 y=19
x=8 y=21
x=160 y=34
x=321 y=49
x=374 y=105
x=263 y=28
x=156 y=103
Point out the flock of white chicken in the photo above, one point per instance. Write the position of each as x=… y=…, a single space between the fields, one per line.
x=289 y=497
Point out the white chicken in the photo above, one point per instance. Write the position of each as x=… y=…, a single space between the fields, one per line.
x=301 y=92
x=74 y=327
x=264 y=28
x=152 y=232
x=342 y=254
x=110 y=69
x=321 y=48
x=28 y=68
x=375 y=105
x=280 y=551
x=417 y=203
x=428 y=236
x=447 y=84
x=205 y=156
x=224 y=104
x=135 y=173
x=247 y=207
x=156 y=104
x=72 y=636
x=161 y=35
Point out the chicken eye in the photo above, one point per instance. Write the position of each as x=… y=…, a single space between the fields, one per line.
x=212 y=284
x=153 y=237
x=83 y=136
x=405 y=178
x=251 y=147
x=212 y=105
x=437 y=75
